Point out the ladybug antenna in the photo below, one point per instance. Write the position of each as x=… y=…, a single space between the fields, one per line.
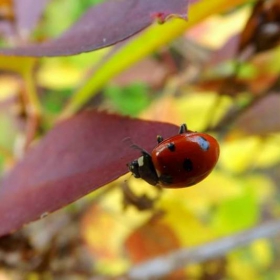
x=131 y=144
x=143 y=151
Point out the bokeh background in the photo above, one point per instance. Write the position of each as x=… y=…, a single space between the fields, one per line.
x=196 y=78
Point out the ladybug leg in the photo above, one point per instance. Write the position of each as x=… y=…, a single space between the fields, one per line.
x=159 y=139
x=141 y=202
x=183 y=128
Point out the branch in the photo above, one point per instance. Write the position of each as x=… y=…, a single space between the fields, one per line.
x=163 y=266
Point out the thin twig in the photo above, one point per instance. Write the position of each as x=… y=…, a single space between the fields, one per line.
x=163 y=266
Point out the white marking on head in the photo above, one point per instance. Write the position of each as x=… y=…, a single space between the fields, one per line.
x=141 y=161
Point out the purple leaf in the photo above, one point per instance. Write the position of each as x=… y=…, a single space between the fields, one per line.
x=26 y=15
x=28 y=12
x=262 y=118
x=76 y=157
x=228 y=51
x=104 y=25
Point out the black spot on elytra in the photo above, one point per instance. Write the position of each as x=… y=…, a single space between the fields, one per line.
x=187 y=165
x=203 y=143
x=171 y=147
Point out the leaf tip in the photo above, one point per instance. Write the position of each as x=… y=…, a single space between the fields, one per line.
x=162 y=17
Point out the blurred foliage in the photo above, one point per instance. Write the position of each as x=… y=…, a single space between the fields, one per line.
x=129 y=100
x=95 y=235
x=56 y=21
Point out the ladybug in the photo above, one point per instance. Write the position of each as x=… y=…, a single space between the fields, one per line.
x=180 y=161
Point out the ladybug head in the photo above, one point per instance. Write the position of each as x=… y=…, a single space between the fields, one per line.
x=143 y=167
x=134 y=168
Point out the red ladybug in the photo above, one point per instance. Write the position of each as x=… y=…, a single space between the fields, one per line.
x=180 y=161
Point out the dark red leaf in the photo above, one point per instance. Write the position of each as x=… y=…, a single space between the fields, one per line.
x=19 y=17
x=27 y=13
x=226 y=52
x=156 y=75
x=104 y=25
x=151 y=240
x=75 y=158
x=262 y=118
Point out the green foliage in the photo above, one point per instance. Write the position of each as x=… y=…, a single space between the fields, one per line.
x=236 y=213
x=129 y=100
x=53 y=101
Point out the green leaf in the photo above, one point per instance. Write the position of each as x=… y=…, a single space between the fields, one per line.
x=130 y=100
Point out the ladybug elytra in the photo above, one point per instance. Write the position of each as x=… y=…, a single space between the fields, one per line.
x=180 y=161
